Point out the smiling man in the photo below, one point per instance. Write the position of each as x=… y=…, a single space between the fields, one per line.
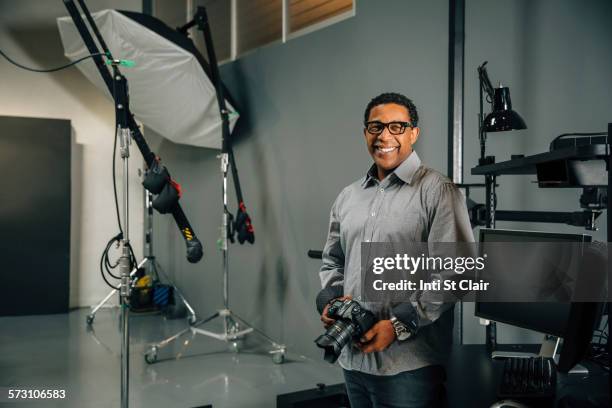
x=400 y=361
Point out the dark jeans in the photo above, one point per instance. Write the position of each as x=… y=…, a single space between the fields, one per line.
x=411 y=389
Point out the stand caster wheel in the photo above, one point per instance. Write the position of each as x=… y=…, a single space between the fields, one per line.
x=151 y=355
x=90 y=319
x=278 y=357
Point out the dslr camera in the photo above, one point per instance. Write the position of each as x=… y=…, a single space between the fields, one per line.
x=351 y=322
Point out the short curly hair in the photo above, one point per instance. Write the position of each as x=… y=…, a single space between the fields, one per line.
x=392 y=97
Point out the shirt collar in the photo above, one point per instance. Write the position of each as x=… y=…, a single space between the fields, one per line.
x=405 y=171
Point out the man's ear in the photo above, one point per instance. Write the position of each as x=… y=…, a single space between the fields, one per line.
x=365 y=134
x=414 y=135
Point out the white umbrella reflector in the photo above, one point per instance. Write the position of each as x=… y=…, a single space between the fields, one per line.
x=170 y=92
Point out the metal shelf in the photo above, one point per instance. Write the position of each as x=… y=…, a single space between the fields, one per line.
x=528 y=164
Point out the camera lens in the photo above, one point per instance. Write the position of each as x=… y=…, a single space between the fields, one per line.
x=334 y=339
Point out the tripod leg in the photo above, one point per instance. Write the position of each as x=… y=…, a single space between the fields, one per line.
x=208 y=319
x=91 y=316
x=153 y=271
x=193 y=319
x=151 y=352
x=262 y=334
x=170 y=339
x=279 y=350
x=150 y=355
x=140 y=265
x=192 y=314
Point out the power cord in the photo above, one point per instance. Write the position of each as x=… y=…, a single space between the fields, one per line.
x=598 y=352
x=106 y=265
x=9 y=59
x=115 y=173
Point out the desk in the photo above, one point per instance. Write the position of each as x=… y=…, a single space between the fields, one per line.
x=473 y=378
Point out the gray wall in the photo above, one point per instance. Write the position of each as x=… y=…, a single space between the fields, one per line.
x=299 y=143
x=299 y=140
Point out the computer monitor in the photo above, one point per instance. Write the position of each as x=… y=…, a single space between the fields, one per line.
x=572 y=321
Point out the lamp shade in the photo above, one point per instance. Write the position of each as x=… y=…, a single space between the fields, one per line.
x=170 y=90
x=503 y=117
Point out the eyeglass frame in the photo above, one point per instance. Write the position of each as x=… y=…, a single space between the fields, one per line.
x=405 y=125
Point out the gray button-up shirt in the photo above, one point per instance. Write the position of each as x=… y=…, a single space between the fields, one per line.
x=412 y=204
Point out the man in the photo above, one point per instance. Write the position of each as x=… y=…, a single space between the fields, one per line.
x=400 y=361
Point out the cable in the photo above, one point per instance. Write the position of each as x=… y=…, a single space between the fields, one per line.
x=105 y=262
x=51 y=69
x=115 y=176
x=598 y=351
x=107 y=265
x=483 y=77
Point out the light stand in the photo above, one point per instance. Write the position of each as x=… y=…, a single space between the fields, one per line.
x=126 y=130
x=234 y=327
x=120 y=94
x=149 y=262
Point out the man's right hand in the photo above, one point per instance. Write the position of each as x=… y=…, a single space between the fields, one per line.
x=327 y=321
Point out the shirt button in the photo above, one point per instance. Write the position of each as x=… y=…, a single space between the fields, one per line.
x=373 y=213
x=382 y=190
x=358 y=297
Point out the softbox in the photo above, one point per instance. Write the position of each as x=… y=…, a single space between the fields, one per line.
x=170 y=87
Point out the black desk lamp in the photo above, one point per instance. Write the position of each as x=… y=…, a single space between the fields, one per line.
x=502 y=118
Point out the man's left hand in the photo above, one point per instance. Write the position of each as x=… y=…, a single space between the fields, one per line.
x=378 y=338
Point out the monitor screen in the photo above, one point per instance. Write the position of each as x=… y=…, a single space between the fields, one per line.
x=545 y=317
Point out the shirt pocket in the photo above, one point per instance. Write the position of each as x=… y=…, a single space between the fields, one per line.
x=353 y=221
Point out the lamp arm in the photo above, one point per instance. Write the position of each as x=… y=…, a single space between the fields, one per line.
x=482 y=135
x=483 y=76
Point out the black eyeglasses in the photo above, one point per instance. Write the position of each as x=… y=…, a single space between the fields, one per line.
x=395 y=128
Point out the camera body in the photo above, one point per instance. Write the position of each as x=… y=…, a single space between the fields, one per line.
x=351 y=322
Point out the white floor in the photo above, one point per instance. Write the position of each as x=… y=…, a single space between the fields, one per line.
x=58 y=351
